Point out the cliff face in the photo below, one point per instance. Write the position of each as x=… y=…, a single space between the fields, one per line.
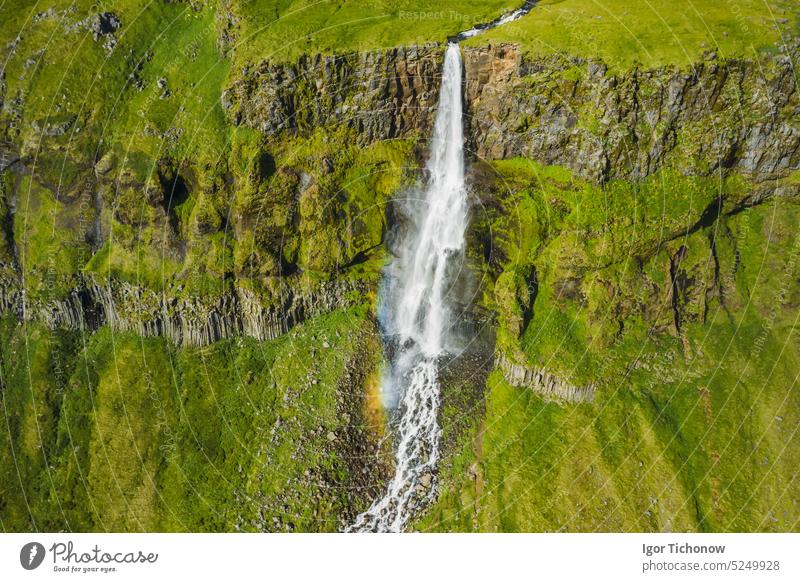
x=380 y=95
x=310 y=215
x=186 y=321
x=541 y=381
x=734 y=115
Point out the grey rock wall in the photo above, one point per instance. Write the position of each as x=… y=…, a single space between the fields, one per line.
x=186 y=321
x=381 y=94
x=734 y=115
x=544 y=383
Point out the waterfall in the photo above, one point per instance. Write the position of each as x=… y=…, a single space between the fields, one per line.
x=417 y=312
x=415 y=307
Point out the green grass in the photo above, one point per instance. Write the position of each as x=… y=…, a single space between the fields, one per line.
x=117 y=433
x=697 y=441
x=280 y=31
x=63 y=74
x=651 y=33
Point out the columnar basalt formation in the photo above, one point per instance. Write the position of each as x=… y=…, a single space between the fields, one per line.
x=720 y=114
x=187 y=321
x=381 y=95
x=544 y=383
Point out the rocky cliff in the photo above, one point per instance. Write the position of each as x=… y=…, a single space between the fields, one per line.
x=728 y=115
x=540 y=380
x=309 y=214
x=188 y=321
x=381 y=95
x=720 y=114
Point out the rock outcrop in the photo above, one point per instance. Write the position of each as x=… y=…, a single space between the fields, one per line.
x=8 y=156
x=380 y=95
x=187 y=321
x=544 y=383
x=739 y=115
x=729 y=114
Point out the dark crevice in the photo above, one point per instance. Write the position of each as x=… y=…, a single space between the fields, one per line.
x=533 y=291
x=177 y=192
x=675 y=284
x=718 y=284
x=265 y=166
x=287 y=267
x=709 y=215
x=8 y=220
x=361 y=257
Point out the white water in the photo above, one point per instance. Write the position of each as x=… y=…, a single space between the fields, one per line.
x=419 y=314
x=505 y=19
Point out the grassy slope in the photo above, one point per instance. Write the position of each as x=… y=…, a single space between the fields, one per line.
x=282 y=30
x=66 y=78
x=697 y=432
x=651 y=32
x=140 y=436
x=63 y=72
x=540 y=466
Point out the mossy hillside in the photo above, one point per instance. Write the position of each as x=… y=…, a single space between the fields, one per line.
x=692 y=429
x=685 y=458
x=145 y=133
x=651 y=34
x=633 y=463
x=281 y=31
x=323 y=206
x=115 y=433
x=573 y=246
x=31 y=416
x=305 y=205
x=91 y=98
x=47 y=257
x=88 y=118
